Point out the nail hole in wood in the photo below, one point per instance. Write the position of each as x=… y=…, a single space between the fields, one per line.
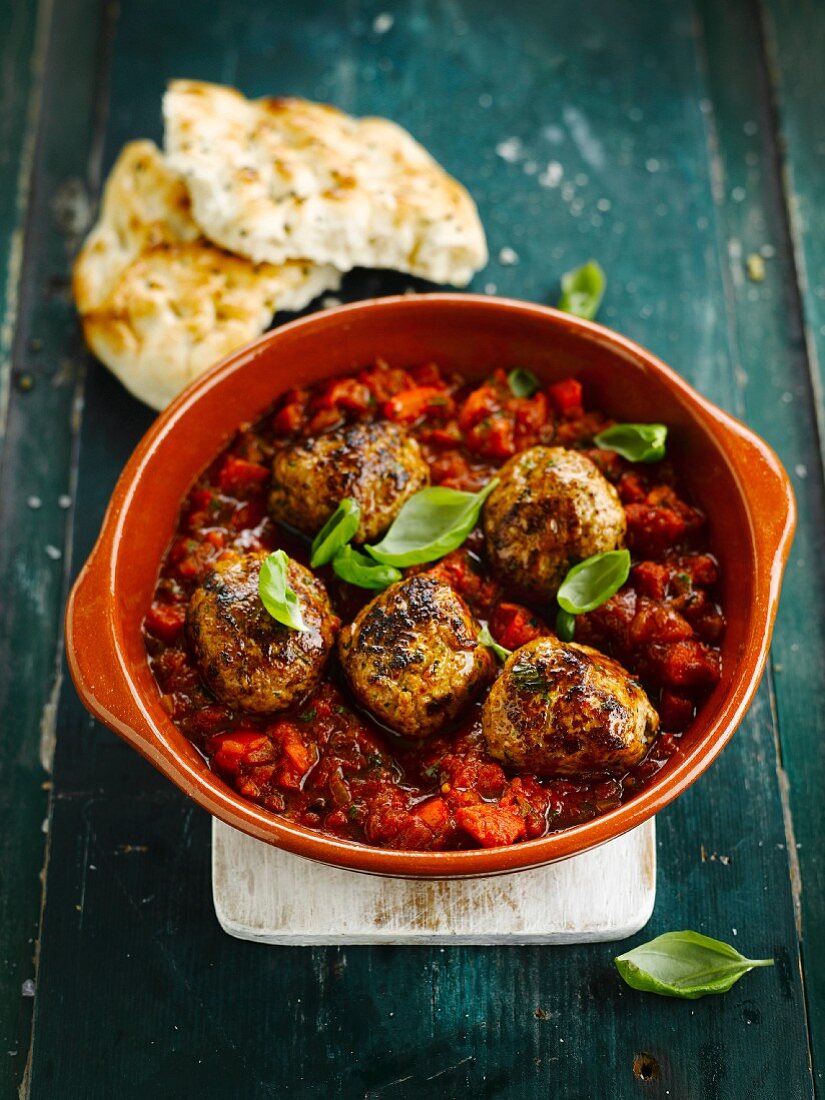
x=645 y=1067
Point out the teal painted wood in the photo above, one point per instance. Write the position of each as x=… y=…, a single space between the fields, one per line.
x=133 y=966
x=26 y=602
x=796 y=45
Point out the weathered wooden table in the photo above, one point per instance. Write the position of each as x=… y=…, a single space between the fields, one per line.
x=674 y=142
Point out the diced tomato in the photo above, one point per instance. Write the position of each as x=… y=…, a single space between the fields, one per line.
x=651 y=579
x=289 y=419
x=676 y=711
x=513 y=625
x=657 y=624
x=237 y=477
x=490 y=825
x=480 y=405
x=428 y=374
x=631 y=488
x=685 y=664
x=459 y=570
x=410 y=405
x=384 y=382
x=348 y=394
x=448 y=435
x=165 y=621
x=567 y=398
x=652 y=530
x=453 y=470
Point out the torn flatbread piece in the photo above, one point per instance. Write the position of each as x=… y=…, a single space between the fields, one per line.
x=159 y=303
x=272 y=179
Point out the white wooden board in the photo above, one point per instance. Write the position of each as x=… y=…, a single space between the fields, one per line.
x=270 y=896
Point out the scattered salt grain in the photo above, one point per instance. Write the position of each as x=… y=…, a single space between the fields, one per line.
x=383 y=22
x=511 y=149
x=552 y=174
x=34 y=503
x=507 y=256
x=53 y=553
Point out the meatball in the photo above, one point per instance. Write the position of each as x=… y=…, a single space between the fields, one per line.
x=567 y=710
x=552 y=508
x=249 y=660
x=412 y=656
x=377 y=464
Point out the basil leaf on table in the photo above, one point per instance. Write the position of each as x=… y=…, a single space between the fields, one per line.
x=276 y=595
x=433 y=522
x=593 y=581
x=522 y=383
x=486 y=638
x=582 y=290
x=356 y=568
x=336 y=532
x=684 y=964
x=635 y=442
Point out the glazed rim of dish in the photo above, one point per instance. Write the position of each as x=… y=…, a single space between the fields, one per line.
x=104 y=672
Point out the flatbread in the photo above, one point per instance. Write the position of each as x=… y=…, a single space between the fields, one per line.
x=159 y=303
x=272 y=179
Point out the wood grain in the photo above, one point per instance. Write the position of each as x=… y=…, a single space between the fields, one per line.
x=607 y=135
x=268 y=896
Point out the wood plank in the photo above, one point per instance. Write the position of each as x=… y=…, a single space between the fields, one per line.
x=22 y=801
x=784 y=207
x=172 y=1005
x=269 y=896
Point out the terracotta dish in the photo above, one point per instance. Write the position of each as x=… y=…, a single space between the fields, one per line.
x=733 y=475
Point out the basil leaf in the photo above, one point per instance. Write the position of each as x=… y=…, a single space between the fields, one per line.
x=635 y=442
x=522 y=383
x=684 y=964
x=565 y=625
x=486 y=638
x=593 y=581
x=336 y=532
x=276 y=595
x=432 y=523
x=356 y=568
x=582 y=290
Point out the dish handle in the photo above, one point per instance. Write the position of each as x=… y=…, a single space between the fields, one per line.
x=774 y=505
x=94 y=657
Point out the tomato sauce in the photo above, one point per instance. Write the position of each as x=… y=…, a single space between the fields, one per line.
x=326 y=764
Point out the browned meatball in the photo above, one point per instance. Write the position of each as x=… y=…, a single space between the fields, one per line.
x=553 y=508
x=412 y=656
x=377 y=464
x=249 y=660
x=565 y=709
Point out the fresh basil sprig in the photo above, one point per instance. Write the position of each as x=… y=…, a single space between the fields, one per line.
x=522 y=383
x=635 y=442
x=593 y=581
x=276 y=595
x=358 y=569
x=582 y=290
x=486 y=638
x=684 y=964
x=431 y=523
x=336 y=532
